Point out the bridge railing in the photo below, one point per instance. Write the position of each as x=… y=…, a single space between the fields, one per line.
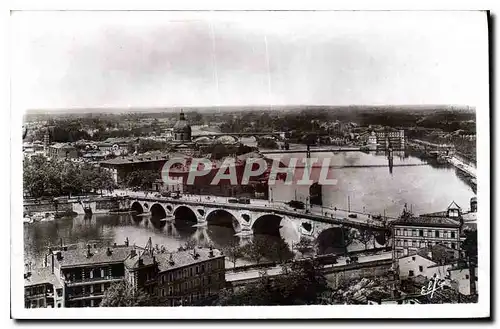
x=282 y=209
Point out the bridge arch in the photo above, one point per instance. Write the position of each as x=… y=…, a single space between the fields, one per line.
x=334 y=240
x=227 y=139
x=184 y=214
x=157 y=214
x=158 y=211
x=223 y=217
x=268 y=224
x=137 y=207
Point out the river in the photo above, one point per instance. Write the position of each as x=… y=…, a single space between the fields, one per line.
x=424 y=187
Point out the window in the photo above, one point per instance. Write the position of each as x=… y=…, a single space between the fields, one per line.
x=398 y=232
x=405 y=232
x=170 y=291
x=467 y=276
x=410 y=273
x=453 y=235
x=59 y=292
x=405 y=243
x=58 y=304
x=197 y=269
x=421 y=268
x=413 y=258
x=163 y=292
x=436 y=234
x=453 y=245
x=414 y=233
x=420 y=232
x=190 y=271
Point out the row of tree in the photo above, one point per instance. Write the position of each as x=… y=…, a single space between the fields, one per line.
x=259 y=248
x=42 y=177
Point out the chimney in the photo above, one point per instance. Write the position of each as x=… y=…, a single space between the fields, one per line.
x=59 y=255
x=109 y=252
x=114 y=244
x=126 y=241
x=211 y=252
x=141 y=262
x=89 y=253
x=95 y=245
x=132 y=253
x=195 y=254
x=171 y=260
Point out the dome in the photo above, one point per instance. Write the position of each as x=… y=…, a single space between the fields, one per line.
x=182 y=125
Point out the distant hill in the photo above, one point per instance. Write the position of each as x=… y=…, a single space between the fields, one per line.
x=214 y=109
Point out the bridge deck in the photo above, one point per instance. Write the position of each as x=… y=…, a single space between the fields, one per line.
x=316 y=215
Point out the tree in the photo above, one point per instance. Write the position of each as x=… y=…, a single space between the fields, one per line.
x=365 y=236
x=122 y=294
x=142 y=179
x=58 y=177
x=304 y=245
x=279 y=251
x=233 y=252
x=267 y=143
x=252 y=251
x=301 y=283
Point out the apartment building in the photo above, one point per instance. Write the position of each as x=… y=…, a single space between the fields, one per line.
x=186 y=277
x=79 y=277
x=412 y=233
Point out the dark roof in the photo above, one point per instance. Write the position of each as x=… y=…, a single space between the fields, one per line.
x=427 y=221
x=144 y=256
x=184 y=258
x=41 y=275
x=152 y=156
x=78 y=256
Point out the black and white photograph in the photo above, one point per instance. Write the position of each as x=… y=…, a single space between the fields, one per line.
x=180 y=162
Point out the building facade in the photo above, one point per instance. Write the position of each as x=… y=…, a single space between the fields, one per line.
x=79 y=277
x=412 y=233
x=62 y=151
x=393 y=139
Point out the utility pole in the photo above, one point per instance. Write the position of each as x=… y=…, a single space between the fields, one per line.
x=348 y=203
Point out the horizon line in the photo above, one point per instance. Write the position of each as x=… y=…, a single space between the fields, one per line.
x=271 y=107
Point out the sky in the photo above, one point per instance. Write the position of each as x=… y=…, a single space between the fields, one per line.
x=65 y=60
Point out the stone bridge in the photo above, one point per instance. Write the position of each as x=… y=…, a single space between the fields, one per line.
x=245 y=219
x=237 y=136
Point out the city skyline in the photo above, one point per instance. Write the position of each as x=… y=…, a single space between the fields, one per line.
x=165 y=59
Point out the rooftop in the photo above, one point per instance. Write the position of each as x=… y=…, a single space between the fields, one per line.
x=61 y=146
x=142 y=158
x=99 y=255
x=431 y=221
x=40 y=276
x=170 y=261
